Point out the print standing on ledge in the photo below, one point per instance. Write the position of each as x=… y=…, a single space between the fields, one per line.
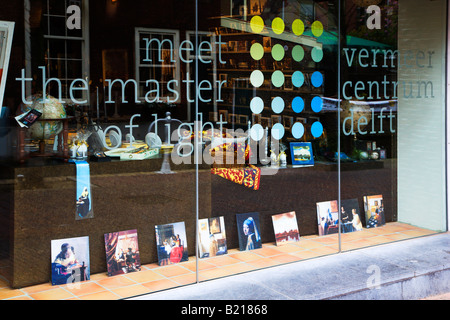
x=374 y=208
x=212 y=238
x=285 y=228
x=248 y=230
x=122 y=252
x=350 y=220
x=70 y=260
x=327 y=217
x=171 y=243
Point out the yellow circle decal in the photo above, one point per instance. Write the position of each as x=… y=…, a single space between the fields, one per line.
x=317 y=28
x=257 y=24
x=298 y=27
x=278 y=25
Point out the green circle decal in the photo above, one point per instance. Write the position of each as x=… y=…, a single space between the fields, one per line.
x=257 y=51
x=278 y=52
x=298 y=53
x=317 y=54
x=277 y=79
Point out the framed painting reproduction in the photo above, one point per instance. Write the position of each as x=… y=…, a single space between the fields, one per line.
x=327 y=217
x=171 y=243
x=122 y=252
x=350 y=218
x=301 y=153
x=285 y=228
x=212 y=237
x=374 y=210
x=248 y=231
x=70 y=260
x=6 y=36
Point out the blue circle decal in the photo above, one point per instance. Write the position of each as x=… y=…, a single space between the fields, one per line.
x=298 y=104
x=297 y=130
x=316 y=104
x=316 y=79
x=316 y=129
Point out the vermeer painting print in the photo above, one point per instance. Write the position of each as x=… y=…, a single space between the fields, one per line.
x=84 y=207
x=327 y=217
x=374 y=209
x=212 y=237
x=286 y=228
x=70 y=260
x=350 y=218
x=171 y=243
x=122 y=252
x=248 y=231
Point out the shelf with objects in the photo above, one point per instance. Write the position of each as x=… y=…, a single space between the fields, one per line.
x=250 y=64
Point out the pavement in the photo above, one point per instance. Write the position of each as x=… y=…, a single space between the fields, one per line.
x=405 y=270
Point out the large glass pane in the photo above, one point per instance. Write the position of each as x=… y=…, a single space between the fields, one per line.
x=390 y=72
x=127 y=211
x=275 y=72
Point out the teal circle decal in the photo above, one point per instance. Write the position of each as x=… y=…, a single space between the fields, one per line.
x=297 y=79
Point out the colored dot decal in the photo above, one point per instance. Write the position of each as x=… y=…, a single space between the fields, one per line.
x=316 y=79
x=277 y=78
x=256 y=78
x=257 y=132
x=256 y=105
x=297 y=130
x=277 y=131
x=317 y=54
x=277 y=105
x=278 y=25
x=317 y=28
x=298 y=79
x=316 y=129
x=298 y=27
x=298 y=53
x=316 y=104
x=257 y=24
x=298 y=104
x=257 y=51
x=278 y=52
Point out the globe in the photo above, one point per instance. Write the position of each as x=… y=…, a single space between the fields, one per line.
x=51 y=109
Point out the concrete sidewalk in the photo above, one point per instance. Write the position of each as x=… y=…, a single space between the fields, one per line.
x=404 y=270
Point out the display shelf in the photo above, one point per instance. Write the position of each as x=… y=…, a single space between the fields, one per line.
x=131 y=194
